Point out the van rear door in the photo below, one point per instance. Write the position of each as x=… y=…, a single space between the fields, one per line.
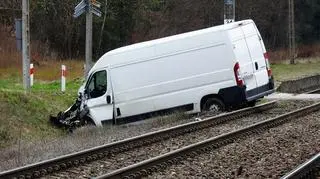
x=257 y=51
x=242 y=56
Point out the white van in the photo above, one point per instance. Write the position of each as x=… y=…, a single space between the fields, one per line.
x=208 y=69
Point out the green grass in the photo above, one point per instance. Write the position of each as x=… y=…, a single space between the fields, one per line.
x=283 y=72
x=71 y=86
x=53 y=86
x=28 y=112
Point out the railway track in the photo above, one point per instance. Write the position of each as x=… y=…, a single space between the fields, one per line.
x=44 y=168
x=316 y=91
x=161 y=162
x=309 y=169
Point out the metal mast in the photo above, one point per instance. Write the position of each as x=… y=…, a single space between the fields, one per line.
x=88 y=39
x=88 y=7
x=291 y=33
x=25 y=44
x=229 y=11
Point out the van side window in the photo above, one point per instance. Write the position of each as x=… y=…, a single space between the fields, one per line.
x=98 y=84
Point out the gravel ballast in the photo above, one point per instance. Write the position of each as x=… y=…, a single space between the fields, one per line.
x=91 y=137
x=139 y=154
x=270 y=154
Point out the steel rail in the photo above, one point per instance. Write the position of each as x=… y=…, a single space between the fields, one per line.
x=160 y=162
x=314 y=91
x=305 y=170
x=46 y=167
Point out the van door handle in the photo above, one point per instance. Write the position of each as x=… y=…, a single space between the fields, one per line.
x=256 y=64
x=108 y=98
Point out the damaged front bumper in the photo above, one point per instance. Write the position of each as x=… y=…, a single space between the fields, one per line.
x=73 y=117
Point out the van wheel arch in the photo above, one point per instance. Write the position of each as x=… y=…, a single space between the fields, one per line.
x=212 y=99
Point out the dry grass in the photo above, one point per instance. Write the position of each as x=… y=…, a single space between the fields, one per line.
x=8 y=51
x=49 y=70
x=303 y=53
x=46 y=67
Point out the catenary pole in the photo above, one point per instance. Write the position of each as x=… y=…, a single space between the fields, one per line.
x=25 y=44
x=291 y=34
x=88 y=7
x=88 y=39
x=229 y=11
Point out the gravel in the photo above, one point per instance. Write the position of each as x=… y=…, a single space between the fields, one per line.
x=83 y=138
x=142 y=153
x=310 y=89
x=268 y=155
x=90 y=137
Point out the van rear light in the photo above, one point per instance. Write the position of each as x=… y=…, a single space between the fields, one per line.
x=269 y=72
x=236 y=70
x=266 y=57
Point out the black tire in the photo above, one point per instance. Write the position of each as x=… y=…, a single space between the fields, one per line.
x=252 y=103
x=213 y=105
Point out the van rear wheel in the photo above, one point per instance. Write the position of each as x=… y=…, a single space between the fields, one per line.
x=252 y=103
x=213 y=105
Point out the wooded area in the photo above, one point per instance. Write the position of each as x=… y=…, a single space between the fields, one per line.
x=128 y=22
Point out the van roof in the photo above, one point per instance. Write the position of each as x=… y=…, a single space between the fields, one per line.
x=110 y=58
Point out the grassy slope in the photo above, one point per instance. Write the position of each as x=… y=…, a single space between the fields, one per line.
x=29 y=112
x=283 y=71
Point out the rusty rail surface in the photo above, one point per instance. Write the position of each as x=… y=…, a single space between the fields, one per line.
x=159 y=163
x=46 y=167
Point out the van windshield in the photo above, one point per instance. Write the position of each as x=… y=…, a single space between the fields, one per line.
x=98 y=84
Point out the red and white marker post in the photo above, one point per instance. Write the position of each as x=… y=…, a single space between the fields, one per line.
x=63 y=78
x=31 y=74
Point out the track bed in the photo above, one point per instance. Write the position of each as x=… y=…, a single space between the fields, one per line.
x=148 y=151
x=270 y=154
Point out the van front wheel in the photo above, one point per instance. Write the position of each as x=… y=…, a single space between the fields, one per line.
x=213 y=105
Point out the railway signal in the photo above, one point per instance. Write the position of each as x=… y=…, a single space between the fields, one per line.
x=89 y=7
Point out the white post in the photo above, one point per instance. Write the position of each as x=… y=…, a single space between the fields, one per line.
x=84 y=71
x=31 y=74
x=63 y=78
